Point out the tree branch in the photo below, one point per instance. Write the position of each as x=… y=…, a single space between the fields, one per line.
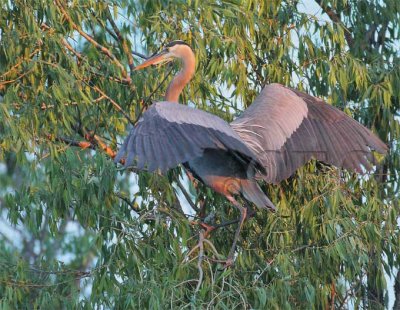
x=93 y=142
x=121 y=40
x=335 y=17
x=129 y=203
x=100 y=47
x=80 y=57
x=186 y=194
x=139 y=55
x=71 y=142
x=116 y=105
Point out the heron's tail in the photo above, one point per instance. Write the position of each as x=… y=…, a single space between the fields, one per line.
x=252 y=192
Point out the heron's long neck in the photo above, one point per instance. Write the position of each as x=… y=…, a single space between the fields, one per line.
x=182 y=78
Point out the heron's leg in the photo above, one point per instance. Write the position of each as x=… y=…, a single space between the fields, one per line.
x=243 y=216
x=209 y=228
x=251 y=212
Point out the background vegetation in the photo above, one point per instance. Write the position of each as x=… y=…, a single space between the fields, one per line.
x=78 y=232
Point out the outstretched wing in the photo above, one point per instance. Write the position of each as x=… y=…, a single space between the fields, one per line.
x=286 y=128
x=169 y=134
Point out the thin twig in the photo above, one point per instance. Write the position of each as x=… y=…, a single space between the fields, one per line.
x=100 y=47
x=121 y=40
x=139 y=55
x=116 y=105
x=336 y=19
x=71 y=142
x=186 y=194
x=129 y=203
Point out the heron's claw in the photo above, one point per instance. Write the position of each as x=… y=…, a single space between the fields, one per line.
x=208 y=228
x=229 y=262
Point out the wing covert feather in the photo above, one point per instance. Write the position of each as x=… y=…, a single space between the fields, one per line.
x=262 y=123
x=319 y=130
x=169 y=134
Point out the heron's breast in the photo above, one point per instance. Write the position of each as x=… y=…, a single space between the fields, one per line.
x=219 y=170
x=223 y=185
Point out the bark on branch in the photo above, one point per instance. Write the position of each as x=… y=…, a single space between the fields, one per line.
x=100 y=47
x=82 y=58
x=335 y=17
x=121 y=40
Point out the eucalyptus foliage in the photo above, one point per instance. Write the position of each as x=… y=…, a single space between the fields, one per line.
x=80 y=232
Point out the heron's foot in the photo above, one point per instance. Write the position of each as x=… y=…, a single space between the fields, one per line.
x=250 y=211
x=207 y=228
x=229 y=262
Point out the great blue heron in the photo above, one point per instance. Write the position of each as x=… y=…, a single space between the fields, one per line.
x=280 y=131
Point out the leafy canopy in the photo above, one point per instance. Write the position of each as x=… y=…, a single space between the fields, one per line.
x=80 y=232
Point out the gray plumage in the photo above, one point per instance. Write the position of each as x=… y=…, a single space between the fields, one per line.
x=286 y=128
x=278 y=133
x=169 y=134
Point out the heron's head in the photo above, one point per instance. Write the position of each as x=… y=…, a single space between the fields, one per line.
x=175 y=49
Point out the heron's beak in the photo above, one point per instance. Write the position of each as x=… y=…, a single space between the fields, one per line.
x=162 y=57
